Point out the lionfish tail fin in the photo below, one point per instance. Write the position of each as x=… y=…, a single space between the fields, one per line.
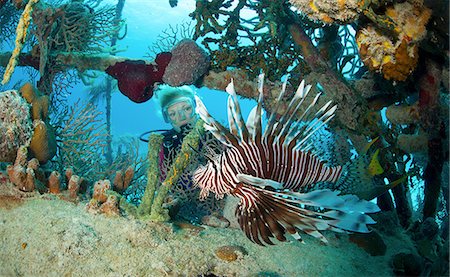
x=265 y=215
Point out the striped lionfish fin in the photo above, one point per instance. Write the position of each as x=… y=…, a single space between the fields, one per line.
x=272 y=122
x=218 y=130
x=254 y=124
x=264 y=215
x=295 y=131
x=233 y=126
x=236 y=121
x=259 y=182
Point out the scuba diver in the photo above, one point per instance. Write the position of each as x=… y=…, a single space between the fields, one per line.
x=178 y=108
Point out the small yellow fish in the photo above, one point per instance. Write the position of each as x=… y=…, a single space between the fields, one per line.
x=374 y=167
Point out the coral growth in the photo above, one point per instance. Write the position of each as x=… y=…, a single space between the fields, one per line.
x=156 y=193
x=136 y=79
x=230 y=253
x=26 y=175
x=16 y=126
x=82 y=141
x=54 y=182
x=330 y=11
x=39 y=103
x=410 y=20
x=394 y=56
x=69 y=27
x=19 y=174
x=43 y=142
x=74 y=186
x=380 y=54
x=189 y=62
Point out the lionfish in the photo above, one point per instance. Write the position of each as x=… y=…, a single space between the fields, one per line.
x=270 y=171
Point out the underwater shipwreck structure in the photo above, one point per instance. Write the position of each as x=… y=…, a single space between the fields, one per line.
x=385 y=63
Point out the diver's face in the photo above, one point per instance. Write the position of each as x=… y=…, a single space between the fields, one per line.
x=180 y=113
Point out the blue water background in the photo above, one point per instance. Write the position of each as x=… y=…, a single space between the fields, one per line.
x=145 y=21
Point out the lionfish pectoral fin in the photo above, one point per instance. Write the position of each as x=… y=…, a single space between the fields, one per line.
x=258 y=182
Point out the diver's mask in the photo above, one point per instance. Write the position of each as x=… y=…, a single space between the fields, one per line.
x=180 y=111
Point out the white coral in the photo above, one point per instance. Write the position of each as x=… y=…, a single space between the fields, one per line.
x=16 y=126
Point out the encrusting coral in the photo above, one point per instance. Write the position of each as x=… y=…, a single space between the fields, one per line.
x=330 y=11
x=16 y=126
x=394 y=56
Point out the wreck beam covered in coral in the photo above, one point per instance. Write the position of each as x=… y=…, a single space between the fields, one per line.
x=78 y=60
x=352 y=107
x=433 y=125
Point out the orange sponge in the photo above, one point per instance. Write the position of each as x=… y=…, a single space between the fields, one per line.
x=43 y=142
x=39 y=103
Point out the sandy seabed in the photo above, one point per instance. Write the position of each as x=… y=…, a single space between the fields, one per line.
x=46 y=236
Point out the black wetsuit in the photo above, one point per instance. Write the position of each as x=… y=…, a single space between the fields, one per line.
x=172 y=140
